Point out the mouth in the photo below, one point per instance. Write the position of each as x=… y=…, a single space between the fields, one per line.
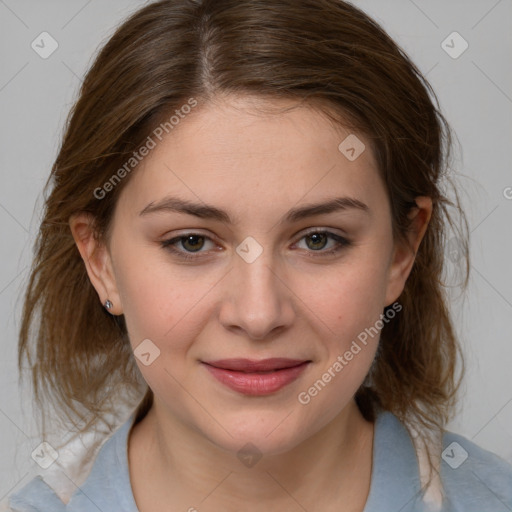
x=253 y=377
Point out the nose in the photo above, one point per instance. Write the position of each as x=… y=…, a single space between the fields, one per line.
x=257 y=300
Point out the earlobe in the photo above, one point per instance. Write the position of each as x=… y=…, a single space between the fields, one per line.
x=97 y=260
x=405 y=251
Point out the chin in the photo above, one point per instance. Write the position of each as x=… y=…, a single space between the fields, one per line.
x=259 y=433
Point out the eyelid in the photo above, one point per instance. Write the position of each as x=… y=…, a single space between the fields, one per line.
x=320 y=229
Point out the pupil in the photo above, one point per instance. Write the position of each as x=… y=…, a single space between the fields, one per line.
x=193 y=238
x=320 y=237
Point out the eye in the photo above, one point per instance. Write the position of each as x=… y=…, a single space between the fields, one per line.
x=190 y=242
x=317 y=240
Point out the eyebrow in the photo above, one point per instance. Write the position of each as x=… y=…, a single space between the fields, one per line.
x=205 y=211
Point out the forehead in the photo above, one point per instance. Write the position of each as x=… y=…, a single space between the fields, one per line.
x=249 y=153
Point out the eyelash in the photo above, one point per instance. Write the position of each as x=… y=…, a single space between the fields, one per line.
x=342 y=243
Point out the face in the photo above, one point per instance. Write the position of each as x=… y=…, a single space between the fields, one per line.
x=254 y=273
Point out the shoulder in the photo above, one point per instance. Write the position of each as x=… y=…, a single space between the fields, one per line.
x=35 y=496
x=474 y=478
x=106 y=487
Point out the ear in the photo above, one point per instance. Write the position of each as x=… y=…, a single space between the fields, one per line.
x=404 y=253
x=97 y=260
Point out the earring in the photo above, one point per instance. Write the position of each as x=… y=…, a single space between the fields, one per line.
x=108 y=305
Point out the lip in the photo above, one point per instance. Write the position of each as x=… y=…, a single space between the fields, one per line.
x=253 y=377
x=254 y=365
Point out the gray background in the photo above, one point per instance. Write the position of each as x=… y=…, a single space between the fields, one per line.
x=475 y=93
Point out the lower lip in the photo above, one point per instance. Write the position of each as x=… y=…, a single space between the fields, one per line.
x=257 y=384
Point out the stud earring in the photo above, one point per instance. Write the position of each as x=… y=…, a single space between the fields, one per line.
x=108 y=305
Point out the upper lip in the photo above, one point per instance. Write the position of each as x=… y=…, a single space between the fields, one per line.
x=253 y=365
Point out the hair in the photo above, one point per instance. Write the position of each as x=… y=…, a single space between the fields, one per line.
x=326 y=54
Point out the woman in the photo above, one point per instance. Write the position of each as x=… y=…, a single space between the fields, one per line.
x=244 y=242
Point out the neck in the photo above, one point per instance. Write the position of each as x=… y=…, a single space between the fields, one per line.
x=331 y=467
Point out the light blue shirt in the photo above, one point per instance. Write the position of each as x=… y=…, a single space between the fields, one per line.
x=474 y=480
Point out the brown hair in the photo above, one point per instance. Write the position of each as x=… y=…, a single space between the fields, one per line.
x=324 y=52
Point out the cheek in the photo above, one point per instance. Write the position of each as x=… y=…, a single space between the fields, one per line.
x=347 y=303
x=348 y=297
x=350 y=312
x=161 y=301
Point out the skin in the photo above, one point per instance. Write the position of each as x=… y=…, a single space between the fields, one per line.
x=287 y=303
